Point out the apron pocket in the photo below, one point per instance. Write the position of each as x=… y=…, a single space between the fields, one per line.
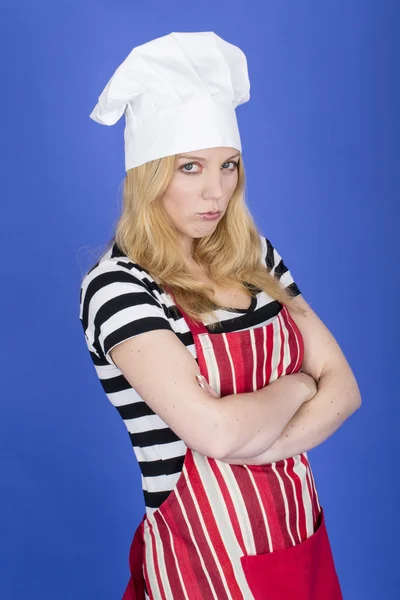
x=305 y=571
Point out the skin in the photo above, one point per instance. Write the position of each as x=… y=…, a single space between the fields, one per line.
x=200 y=186
x=207 y=185
x=204 y=180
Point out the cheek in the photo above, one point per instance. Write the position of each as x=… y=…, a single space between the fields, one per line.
x=234 y=182
x=176 y=204
x=229 y=188
x=184 y=187
x=178 y=197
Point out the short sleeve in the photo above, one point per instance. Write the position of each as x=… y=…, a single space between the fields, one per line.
x=275 y=264
x=116 y=305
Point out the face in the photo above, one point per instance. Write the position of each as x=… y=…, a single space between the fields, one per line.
x=203 y=181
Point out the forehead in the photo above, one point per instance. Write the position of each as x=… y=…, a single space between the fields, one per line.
x=210 y=154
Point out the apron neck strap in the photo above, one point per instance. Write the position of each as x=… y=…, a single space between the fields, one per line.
x=195 y=327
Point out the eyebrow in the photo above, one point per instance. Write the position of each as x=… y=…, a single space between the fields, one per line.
x=204 y=159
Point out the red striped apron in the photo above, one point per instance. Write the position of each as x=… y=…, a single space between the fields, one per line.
x=238 y=532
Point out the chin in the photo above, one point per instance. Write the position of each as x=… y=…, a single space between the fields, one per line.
x=207 y=229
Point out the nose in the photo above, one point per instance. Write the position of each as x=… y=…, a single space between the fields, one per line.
x=213 y=189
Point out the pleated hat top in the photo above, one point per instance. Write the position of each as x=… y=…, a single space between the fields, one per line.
x=179 y=93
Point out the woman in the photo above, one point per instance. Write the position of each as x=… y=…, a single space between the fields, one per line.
x=232 y=510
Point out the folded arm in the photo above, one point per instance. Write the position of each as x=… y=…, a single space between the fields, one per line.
x=337 y=398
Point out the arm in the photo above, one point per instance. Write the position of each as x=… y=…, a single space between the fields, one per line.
x=254 y=420
x=124 y=323
x=315 y=421
x=338 y=395
x=240 y=423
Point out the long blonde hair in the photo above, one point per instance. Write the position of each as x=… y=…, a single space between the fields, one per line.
x=230 y=255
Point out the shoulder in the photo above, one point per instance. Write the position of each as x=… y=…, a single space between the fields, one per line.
x=269 y=253
x=275 y=264
x=118 y=300
x=115 y=279
x=114 y=268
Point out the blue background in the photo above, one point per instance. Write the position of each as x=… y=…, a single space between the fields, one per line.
x=321 y=148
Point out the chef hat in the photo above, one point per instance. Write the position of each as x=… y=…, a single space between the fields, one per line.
x=179 y=93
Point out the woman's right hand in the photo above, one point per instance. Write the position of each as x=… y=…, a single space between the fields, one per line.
x=203 y=383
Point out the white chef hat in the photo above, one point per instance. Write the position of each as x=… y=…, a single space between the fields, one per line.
x=179 y=93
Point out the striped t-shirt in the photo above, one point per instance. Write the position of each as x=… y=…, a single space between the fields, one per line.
x=118 y=300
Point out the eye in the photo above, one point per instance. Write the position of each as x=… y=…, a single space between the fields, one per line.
x=184 y=170
x=232 y=162
x=190 y=170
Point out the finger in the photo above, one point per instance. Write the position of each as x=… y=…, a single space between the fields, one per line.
x=212 y=391
x=206 y=386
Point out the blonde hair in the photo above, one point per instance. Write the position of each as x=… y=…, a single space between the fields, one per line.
x=230 y=255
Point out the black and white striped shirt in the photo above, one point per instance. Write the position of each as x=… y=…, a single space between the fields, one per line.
x=118 y=300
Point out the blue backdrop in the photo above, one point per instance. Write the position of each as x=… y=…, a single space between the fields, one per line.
x=320 y=143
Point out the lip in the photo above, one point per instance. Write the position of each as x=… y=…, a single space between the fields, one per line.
x=210 y=216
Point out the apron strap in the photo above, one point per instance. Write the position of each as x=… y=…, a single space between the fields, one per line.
x=195 y=327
